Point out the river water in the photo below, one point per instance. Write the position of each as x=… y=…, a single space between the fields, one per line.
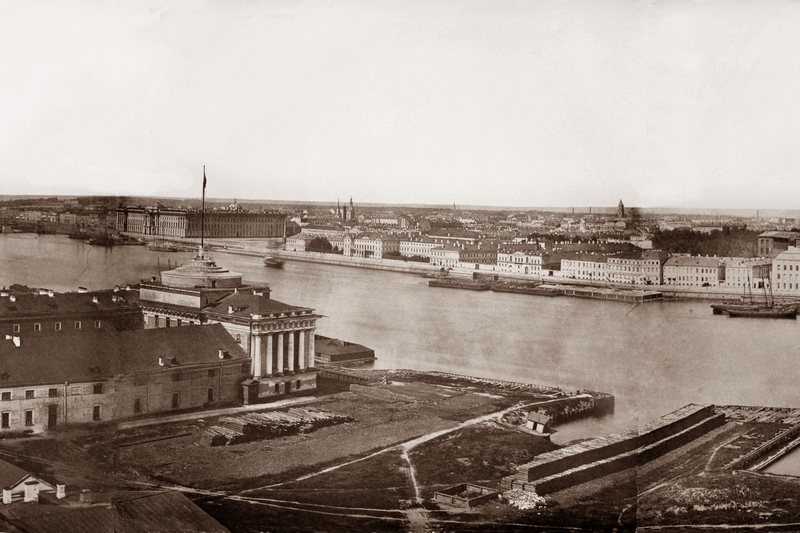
x=655 y=357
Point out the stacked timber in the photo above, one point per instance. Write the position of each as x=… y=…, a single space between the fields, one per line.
x=259 y=426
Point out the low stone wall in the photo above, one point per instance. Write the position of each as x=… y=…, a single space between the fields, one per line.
x=345 y=377
x=465 y=495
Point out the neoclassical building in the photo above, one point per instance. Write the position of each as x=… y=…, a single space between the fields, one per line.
x=278 y=337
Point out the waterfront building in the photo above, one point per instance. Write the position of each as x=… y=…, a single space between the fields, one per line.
x=643 y=268
x=188 y=223
x=786 y=271
x=483 y=253
x=36 y=313
x=446 y=256
x=771 y=243
x=48 y=381
x=418 y=247
x=587 y=267
x=372 y=245
x=278 y=337
x=739 y=271
x=337 y=351
x=521 y=259
x=694 y=271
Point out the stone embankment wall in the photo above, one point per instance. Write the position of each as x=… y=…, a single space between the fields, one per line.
x=762 y=451
x=592 y=459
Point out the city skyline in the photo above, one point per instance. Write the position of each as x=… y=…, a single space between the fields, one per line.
x=663 y=103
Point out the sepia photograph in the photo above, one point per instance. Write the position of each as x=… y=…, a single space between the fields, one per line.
x=399 y=265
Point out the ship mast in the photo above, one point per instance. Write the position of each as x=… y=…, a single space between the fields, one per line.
x=203 y=214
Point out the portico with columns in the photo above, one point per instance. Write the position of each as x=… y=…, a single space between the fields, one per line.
x=278 y=337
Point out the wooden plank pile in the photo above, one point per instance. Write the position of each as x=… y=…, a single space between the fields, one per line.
x=258 y=426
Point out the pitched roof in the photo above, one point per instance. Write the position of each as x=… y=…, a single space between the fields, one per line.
x=126 y=512
x=246 y=303
x=712 y=262
x=33 y=303
x=99 y=355
x=10 y=475
x=541 y=418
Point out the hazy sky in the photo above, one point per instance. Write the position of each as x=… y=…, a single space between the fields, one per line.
x=533 y=102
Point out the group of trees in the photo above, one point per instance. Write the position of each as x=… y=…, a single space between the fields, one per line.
x=730 y=242
x=321 y=244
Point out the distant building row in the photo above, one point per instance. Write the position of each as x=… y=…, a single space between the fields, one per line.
x=183 y=223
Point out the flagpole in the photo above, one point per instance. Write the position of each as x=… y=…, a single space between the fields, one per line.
x=203 y=213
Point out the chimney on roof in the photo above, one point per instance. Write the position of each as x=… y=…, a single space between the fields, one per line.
x=161 y=361
x=222 y=353
x=51 y=294
x=116 y=288
x=12 y=298
x=95 y=300
x=31 y=491
x=7 y=497
x=61 y=491
x=230 y=309
x=255 y=317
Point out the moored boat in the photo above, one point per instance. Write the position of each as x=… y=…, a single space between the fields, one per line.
x=273 y=262
x=764 y=312
x=162 y=246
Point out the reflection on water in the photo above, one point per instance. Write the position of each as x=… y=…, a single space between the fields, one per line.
x=788 y=465
x=654 y=357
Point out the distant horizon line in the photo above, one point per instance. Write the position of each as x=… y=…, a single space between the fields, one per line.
x=477 y=207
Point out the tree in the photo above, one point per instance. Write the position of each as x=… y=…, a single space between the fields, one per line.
x=319 y=244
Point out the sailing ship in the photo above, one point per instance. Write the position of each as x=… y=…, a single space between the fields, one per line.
x=749 y=308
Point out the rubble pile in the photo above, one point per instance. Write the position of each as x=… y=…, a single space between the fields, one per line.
x=524 y=499
x=259 y=426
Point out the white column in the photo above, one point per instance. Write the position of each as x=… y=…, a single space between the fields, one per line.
x=290 y=353
x=301 y=349
x=280 y=353
x=311 y=348
x=257 y=357
x=269 y=355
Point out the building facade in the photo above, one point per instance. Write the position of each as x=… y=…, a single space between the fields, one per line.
x=417 y=248
x=748 y=273
x=48 y=381
x=694 y=271
x=43 y=312
x=279 y=338
x=189 y=223
x=370 y=245
x=771 y=243
x=522 y=259
x=786 y=272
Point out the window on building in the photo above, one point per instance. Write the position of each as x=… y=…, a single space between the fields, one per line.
x=211 y=394
x=37 y=327
x=176 y=400
x=212 y=372
x=96 y=413
x=52 y=393
x=15 y=328
x=137 y=406
x=6 y=396
x=28 y=394
x=29 y=418
x=5 y=421
x=97 y=388
x=58 y=326
x=77 y=324
x=97 y=324
x=239 y=338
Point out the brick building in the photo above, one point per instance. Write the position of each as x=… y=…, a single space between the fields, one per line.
x=42 y=312
x=51 y=380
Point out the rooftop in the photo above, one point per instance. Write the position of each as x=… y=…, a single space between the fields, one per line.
x=102 y=354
